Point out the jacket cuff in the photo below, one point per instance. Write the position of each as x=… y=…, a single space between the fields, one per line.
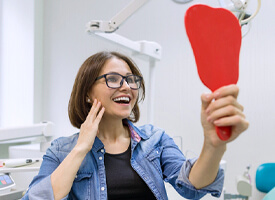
x=215 y=188
x=43 y=190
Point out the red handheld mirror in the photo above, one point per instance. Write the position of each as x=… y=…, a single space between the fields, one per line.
x=215 y=37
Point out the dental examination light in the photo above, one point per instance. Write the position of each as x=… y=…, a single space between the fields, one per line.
x=238 y=7
x=150 y=50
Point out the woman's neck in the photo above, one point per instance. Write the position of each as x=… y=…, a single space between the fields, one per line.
x=112 y=130
x=114 y=135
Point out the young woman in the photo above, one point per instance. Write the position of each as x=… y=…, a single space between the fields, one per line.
x=110 y=158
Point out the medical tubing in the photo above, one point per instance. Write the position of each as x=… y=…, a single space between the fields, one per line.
x=252 y=16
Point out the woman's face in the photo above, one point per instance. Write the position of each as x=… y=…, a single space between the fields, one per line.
x=109 y=97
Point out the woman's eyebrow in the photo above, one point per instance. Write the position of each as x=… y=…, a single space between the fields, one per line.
x=113 y=72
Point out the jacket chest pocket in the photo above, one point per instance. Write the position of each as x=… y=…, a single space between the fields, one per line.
x=154 y=158
x=81 y=188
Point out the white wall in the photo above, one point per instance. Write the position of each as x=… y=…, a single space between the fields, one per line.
x=177 y=106
x=17 y=62
x=1 y=50
x=20 y=64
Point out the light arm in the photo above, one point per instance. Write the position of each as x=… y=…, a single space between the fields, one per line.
x=117 y=20
x=240 y=6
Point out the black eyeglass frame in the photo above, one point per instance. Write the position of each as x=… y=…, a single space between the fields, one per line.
x=121 y=82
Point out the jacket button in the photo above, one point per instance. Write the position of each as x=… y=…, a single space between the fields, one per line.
x=102 y=188
x=100 y=158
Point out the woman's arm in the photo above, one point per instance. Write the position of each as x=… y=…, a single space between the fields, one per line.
x=224 y=111
x=62 y=178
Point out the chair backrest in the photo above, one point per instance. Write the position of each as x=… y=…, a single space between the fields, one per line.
x=265 y=177
x=270 y=195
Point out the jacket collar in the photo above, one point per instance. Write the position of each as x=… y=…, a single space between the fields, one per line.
x=98 y=145
x=136 y=135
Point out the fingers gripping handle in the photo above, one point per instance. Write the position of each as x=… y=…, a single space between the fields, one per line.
x=224 y=132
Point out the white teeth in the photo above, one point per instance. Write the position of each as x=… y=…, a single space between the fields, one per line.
x=126 y=99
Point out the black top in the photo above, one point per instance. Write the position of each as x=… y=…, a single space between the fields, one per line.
x=123 y=182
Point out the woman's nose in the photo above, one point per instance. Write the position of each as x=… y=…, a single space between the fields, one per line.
x=125 y=84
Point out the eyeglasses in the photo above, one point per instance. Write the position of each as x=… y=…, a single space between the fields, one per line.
x=115 y=80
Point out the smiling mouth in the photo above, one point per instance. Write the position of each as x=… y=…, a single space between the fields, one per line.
x=122 y=100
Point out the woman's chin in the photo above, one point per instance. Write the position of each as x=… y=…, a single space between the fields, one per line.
x=116 y=116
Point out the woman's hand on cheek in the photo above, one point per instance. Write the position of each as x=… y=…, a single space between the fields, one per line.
x=89 y=128
x=221 y=108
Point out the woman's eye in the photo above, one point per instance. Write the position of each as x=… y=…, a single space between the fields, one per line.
x=130 y=80
x=112 y=79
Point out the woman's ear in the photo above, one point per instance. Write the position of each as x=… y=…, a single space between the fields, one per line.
x=88 y=100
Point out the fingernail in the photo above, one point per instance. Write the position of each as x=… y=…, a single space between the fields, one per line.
x=216 y=94
x=207 y=95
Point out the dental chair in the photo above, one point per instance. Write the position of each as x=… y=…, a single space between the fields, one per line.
x=265 y=180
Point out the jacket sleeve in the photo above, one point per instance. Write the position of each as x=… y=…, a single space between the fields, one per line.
x=176 y=171
x=40 y=187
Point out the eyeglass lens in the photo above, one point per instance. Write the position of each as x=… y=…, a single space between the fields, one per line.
x=115 y=81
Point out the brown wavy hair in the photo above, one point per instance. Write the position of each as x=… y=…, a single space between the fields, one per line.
x=78 y=108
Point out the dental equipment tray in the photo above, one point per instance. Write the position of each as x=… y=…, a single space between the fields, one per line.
x=6 y=183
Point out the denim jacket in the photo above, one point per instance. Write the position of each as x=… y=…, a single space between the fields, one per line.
x=154 y=156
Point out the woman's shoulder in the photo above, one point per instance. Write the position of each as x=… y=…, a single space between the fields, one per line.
x=65 y=144
x=149 y=128
x=152 y=131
